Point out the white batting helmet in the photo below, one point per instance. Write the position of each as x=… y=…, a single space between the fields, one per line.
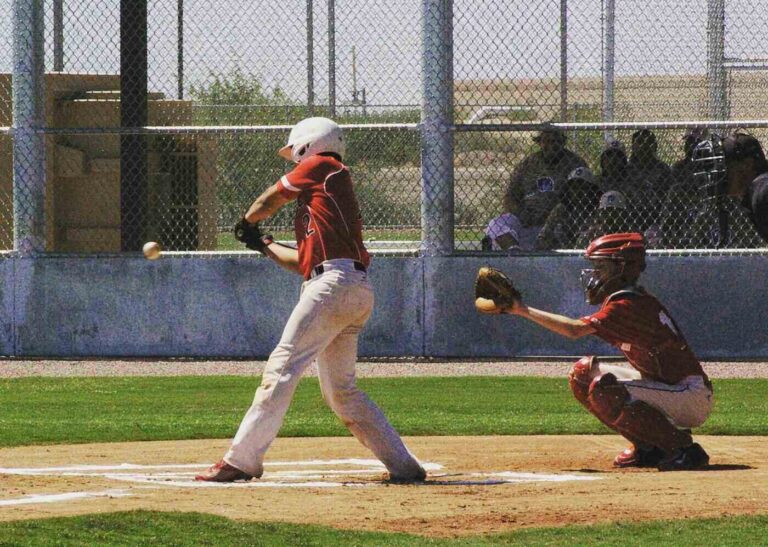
x=313 y=136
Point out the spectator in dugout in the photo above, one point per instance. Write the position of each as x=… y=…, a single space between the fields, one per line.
x=732 y=215
x=516 y=230
x=542 y=171
x=613 y=167
x=578 y=203
x=746 y=167
x=682 y=170
x=610 y=217
x=507 y=233
x=649 y=178
x=682 y=200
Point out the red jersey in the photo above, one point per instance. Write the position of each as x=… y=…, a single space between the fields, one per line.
x=636 y=323
x=328 y=223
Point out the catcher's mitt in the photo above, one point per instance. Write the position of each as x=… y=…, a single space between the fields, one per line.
x=251 y=235
x=494 y=292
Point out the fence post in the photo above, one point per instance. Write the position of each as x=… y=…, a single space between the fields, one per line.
x=58 y=35
x=180 y=48
x=609 y=61
x=563 y=61
x=28 y=119
x=437 y=214
x=332 y=58
x=310 y=58
x=716 y=76
x=133 y=113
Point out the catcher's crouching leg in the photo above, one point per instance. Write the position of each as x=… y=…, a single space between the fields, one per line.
x=580 y=378
x=636 y=420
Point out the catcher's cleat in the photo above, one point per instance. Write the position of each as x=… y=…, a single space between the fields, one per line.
x=221 y=471
x=634 y=456
x=685 y=459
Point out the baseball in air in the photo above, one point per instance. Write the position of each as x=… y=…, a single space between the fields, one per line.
x=151 y=250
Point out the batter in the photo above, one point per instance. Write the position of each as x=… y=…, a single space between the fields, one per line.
x=335 y=303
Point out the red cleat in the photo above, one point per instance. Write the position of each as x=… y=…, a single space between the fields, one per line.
x=634 y=456
x=221 y=471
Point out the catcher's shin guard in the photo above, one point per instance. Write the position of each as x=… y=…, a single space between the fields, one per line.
x=636 y=420
x=580 y=378
x=607 y=398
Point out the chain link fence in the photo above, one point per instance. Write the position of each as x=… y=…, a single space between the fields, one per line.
x=226 y=79
x=6 y=114
x=589 y=62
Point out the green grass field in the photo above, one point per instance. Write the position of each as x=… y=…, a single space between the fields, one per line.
x=145 y=527
x=78 y=410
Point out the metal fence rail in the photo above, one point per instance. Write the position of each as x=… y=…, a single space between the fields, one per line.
x=451 y=108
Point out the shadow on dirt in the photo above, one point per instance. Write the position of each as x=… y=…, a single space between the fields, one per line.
x=714 y=467
x=726 y=467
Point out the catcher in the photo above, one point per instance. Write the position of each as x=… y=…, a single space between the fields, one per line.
x=666 y=392
x=335 y=303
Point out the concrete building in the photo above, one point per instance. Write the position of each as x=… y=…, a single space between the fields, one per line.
x=83 y=170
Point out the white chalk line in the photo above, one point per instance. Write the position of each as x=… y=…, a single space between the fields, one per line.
x=518 y=476
x=261 y=483
x=134 y=466
x=67 y=496
x=177 y=476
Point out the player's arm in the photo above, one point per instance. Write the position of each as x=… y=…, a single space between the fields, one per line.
x=560 y=324
x=266 y=205
x=495 y=293
x=285 y=256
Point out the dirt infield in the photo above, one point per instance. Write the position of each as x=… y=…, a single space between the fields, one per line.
x=365 y=369
x=476 y=484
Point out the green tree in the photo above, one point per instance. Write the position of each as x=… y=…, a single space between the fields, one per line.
x=384 y=161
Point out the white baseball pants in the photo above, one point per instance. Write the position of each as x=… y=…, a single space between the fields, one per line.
x=324 y=325
x=687 y=404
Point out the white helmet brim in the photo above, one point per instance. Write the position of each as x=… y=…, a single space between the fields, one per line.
x=286 y=152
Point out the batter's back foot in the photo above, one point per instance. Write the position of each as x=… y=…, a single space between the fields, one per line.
x=419 y=476
x=221 y=471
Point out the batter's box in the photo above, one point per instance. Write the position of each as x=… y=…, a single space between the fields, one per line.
x=336 y=473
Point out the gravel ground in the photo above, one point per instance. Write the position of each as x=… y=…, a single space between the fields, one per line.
x=366 y=369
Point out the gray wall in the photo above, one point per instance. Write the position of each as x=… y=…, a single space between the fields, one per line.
x=235 y=306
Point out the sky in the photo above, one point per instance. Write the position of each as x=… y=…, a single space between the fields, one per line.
x=493 y=39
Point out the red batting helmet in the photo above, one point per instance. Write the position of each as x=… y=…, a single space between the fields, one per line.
x=617 y=246
x=628 y=248
x=626 y=251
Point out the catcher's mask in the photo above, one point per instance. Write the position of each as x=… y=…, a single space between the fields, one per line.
x=709 y=167
x=618 y=261
x=313 y=136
